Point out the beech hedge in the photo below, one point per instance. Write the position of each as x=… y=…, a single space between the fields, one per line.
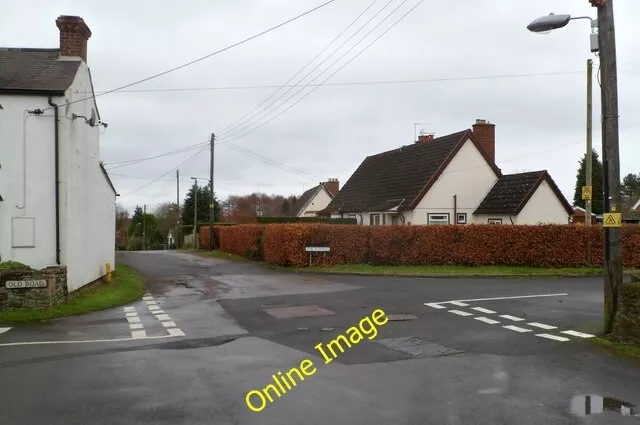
x=472 y=245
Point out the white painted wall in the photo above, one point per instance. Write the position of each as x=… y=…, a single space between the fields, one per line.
x=543 y=207
x=87 y=211
x=468 y=176
x=484 y=218
x=317 y=203
x=31 y=151
x=88 y=202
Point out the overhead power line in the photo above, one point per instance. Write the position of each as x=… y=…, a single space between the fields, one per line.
x=126 y=163
x=201 y=58
x=330 y=75
x=256 y=108
x=266 y=111
x=200 y=152
x=360 y=83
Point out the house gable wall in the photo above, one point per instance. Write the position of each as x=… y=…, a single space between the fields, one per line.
x=317 y=203
x=543 y=207
x=468 y=176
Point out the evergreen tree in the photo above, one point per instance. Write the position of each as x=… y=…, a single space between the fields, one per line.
x=597 y=203
x=630 y=191
x=204 y=199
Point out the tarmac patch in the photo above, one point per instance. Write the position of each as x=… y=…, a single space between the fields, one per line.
x=299 y=311
x=417 y=347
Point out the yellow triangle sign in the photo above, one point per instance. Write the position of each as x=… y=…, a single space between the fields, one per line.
x=610 y=219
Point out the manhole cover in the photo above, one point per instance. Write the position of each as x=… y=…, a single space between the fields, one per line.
x=300 y=311
x=416 y=347
x=401 y=317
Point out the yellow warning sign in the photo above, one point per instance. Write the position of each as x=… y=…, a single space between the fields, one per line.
x=612 y=220
x=587 y=192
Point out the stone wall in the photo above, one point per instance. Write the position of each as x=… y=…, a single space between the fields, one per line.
x=627 y=322
x=52 y=295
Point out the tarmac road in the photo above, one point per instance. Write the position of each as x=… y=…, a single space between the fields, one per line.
x=464 y=351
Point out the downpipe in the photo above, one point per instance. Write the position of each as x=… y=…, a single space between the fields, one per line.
x=57 y=178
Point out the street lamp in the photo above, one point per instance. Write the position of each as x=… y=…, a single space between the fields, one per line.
x=604 y=43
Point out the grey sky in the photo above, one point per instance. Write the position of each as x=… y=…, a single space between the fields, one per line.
x=540 y=120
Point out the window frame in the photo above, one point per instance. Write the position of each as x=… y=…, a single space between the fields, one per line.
x=430 y=215
x=372 y=219
x=458 y=215
x=494 y=221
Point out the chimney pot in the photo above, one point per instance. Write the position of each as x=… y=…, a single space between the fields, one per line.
x=485 y=132
x=425 y=138
x=74 y=34
x=333 y=186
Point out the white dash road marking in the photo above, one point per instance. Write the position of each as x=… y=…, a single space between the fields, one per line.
x=460 y=313
x=147 y=298
x=554 y=337
x=542 y=326
x=133 y=319
x=129 y=309
x=134 y=314
x=483 y=310
x=163 y=317
x=154 y=307
x=138 y=334
x=458 y=303
x=434 y=305
x=133 y=326
x=513 y=318
x=487 y=320
x=169 y=324
x=3 y=330
x=158 y=312
x=151 y=303
x=175 y=332
x=578 y=334
x=512 y=298
x=517 y=329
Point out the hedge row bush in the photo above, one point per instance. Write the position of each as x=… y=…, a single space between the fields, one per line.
x=543 y=246
x=285 y=219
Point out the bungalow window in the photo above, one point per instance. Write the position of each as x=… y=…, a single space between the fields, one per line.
x=394 y=219
x=495 y=221
x=438 y=219
x=374 y=219
x=462 y=218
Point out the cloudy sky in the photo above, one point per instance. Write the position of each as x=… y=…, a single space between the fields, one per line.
x=460 y=47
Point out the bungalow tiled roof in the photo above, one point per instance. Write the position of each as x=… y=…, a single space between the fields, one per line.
x=37 y=71
x=511 y=193
x=398 y=179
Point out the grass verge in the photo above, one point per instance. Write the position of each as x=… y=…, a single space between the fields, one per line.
x=127 y=286
x=456 y=270
x=620 y=349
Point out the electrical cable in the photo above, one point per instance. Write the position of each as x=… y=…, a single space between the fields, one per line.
x=331 y=75
x=233 y=125
x=360 y=83
x=201 y=58
x=119 y=164
x=234 y=132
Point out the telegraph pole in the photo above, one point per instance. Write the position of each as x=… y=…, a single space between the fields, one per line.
x=144 y=227
x=589 y=165
x=211 y=200
x=178 y=232
x=611 y=159
x=195 y=208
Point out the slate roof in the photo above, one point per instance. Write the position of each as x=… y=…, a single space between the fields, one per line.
x=512 y=192
x=400 y=177
x=631 y=216
x=36 y=71
x=303 y=200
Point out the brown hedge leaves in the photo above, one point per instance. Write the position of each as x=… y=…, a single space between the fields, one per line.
x=543 y=246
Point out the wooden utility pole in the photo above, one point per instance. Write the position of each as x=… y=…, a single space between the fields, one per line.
x=589 y=164
x=144 y=227
x=611 y=158
x=178 y=232
x=211 y=200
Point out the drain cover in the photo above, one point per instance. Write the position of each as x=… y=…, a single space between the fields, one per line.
x=416 y=347
x=299 y=311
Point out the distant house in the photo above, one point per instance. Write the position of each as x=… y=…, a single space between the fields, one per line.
x=451 y=179
x=58 y=203
x=315 y=199
x=579 y=214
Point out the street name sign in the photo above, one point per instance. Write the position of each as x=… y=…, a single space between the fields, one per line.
x=318 y=249
x=14 y=284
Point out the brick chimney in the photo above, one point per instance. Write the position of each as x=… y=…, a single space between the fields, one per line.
x=485 y=132
x=74 y=34
x=333 y=186
x=425 y=138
